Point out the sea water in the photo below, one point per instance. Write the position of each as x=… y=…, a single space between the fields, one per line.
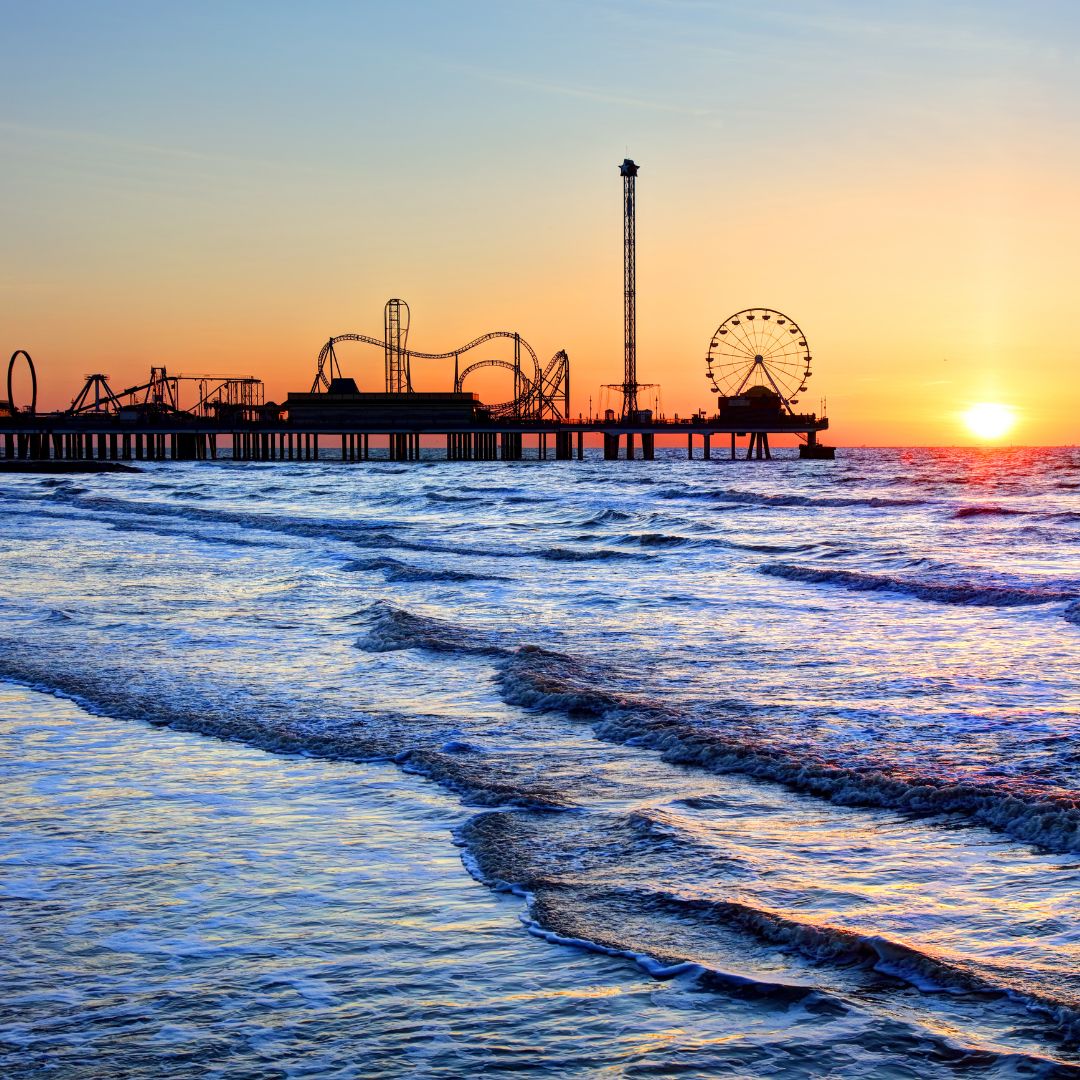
x=598 y=769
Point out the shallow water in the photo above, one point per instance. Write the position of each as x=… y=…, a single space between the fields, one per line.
x=798 y=738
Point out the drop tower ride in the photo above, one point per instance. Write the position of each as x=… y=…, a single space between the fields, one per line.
x=630 y=384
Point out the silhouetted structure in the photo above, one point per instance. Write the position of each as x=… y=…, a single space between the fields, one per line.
x=152 y=428
x=216 y=395
x=758 y=361
x=540 y=394
x=395 y=337
x=628 y=170
x=11 y=406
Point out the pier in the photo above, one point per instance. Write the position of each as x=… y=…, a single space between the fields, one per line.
x=757 y=365
x=336 y=420
x=57 y=437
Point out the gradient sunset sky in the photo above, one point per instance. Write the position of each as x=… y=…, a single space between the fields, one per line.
x=219 y=187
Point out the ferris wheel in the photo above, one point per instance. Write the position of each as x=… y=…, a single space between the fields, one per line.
x=759 y=347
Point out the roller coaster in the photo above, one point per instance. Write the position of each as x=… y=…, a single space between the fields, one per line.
x=542 y=394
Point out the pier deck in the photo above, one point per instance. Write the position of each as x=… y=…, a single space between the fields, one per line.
x=107 y=436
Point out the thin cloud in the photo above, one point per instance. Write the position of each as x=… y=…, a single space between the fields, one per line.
x=587 y=93
x=112 y=142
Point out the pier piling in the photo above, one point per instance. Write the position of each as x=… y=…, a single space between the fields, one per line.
x=107 y=438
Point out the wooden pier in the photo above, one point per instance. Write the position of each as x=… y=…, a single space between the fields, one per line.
x=109 y=437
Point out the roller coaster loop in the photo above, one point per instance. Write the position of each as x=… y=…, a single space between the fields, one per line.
x=33 y=379
x=535 y=396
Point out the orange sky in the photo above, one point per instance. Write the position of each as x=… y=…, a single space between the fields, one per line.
x=905 y=190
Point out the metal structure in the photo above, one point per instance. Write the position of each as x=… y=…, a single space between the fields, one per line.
x=227 y=395
x=758 y=363
x=554 y=383
x=542 y=394
x=648 y=400
x=759 y=347
x=545 y=396
x=146 y=423
x=33 y=381
x=95 y=396
x=216 y=395
x=629 y=171
x=395 y=338
x=327 y=368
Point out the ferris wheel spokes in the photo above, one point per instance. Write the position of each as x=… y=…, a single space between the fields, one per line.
x=759 y=347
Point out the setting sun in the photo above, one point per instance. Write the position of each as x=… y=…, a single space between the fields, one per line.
x=989 y=420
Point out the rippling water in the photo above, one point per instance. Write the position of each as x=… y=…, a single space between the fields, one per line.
x=768 y=768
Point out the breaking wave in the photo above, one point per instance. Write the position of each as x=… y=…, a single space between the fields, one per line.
x=391 y=628
x=447 y=497
x=416 y=743
x=396 y=571
x=988 y=595
x=537 y=678
x=559 y=554
x=569 y=903
x=657 y=540
x=607 y=516
x=986 y=511
x=357 y=533
x=533 y=677
x=834 y=944
x=734 y=497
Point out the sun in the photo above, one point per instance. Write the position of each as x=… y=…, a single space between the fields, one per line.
x=989 y=420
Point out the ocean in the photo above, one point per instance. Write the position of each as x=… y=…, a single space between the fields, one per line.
x=591 y=768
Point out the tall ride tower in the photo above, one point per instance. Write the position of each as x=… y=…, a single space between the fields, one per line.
x=630 y=384
x=396 y=335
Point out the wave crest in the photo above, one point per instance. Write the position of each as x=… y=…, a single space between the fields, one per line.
x=734 y=497
x=558 y=554
x=986 y=511
x=536 y=678
x=391 y=628
x=396 y=571
x=975 y=595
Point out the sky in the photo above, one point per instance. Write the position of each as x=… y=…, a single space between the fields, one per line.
x=219 y=187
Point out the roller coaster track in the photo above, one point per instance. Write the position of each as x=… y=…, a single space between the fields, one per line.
x=522 y=398
x=33 y=380
x=535 y=396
